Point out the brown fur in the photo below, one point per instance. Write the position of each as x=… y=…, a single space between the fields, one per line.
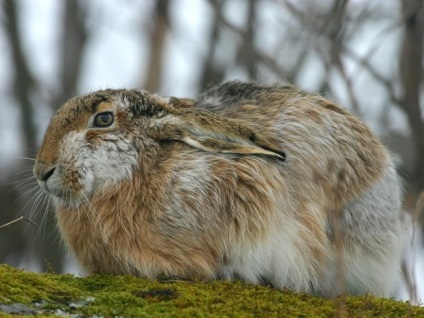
x=211 y=181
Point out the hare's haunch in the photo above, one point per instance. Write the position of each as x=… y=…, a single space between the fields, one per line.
x=261 y=182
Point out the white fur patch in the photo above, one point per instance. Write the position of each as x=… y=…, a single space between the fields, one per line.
x=84 y=168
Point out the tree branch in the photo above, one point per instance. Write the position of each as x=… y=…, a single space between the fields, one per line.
x=157 y=44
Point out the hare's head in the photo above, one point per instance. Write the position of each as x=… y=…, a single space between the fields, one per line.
x=100 y=139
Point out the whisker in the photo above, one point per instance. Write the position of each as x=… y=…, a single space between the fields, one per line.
x=43 y=221
x=40 y=197
x=53 y=231
x=94 y=213
x=23 y=183
x=37 y=207
x=33 y=202
x=24 y=190
x=25 y=194
x=38 y=202
x=29 y=170
x=26 y=158
x=22 y=180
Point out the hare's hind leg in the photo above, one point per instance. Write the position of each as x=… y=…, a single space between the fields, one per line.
x=373 y=237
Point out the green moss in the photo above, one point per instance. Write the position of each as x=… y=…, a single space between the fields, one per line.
x=130 y=296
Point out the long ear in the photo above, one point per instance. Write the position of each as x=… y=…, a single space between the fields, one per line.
x=209 y=132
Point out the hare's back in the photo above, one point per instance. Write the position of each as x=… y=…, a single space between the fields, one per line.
x=324 y=143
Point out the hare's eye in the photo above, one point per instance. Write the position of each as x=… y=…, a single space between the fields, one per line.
x=103 y=119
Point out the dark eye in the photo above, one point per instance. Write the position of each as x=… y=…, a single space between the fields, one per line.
x=103 y=119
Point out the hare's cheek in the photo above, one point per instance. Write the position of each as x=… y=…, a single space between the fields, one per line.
x=114 y=162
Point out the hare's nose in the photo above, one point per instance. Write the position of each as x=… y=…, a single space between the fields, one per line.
x=43 y=171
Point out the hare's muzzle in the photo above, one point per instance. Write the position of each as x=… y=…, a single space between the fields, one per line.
x=43 y=171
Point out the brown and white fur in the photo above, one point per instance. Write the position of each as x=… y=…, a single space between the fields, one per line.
x=260 y=182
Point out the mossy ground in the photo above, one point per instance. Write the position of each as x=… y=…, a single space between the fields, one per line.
x=128 y=296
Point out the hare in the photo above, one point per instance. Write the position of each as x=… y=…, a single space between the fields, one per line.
x=264 y=183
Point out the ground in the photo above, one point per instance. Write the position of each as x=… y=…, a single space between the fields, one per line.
x=25 y=293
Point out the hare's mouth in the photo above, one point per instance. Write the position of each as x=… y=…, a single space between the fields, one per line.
x=63 y=195
x=63 y=183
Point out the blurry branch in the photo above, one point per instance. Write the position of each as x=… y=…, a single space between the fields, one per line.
x=17 y=220
x=261 y=56
x=411 y=74
x=386 y=83
x=246 y=53
x=158 y=35
x=364 y=62
x=73 y=42
x=24 y=81
x=338 y=16
x=331 y=27
x=212 y=73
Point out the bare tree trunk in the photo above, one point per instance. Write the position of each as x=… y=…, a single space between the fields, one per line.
x=212 y=73
x=24 y=81
x=247 y=54
x=411 y=74
x=73 y=42
x=157 y=43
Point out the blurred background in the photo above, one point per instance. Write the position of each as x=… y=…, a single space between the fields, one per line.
x=365 y=54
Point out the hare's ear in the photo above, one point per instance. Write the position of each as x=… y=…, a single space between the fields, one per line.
x=209 y=132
